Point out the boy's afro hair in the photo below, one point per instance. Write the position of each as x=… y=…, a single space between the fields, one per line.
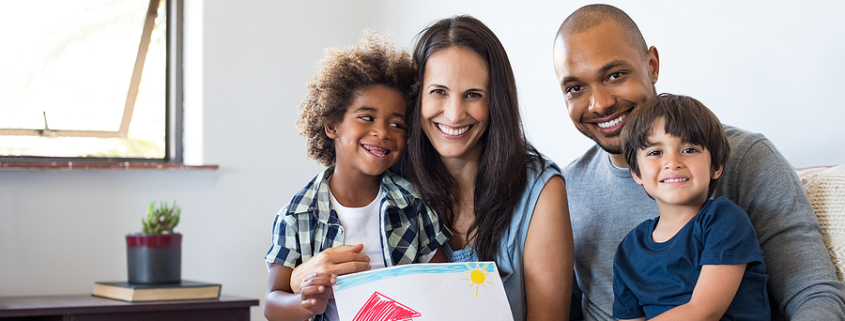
x=341 y=74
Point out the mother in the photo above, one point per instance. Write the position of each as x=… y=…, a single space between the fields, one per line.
x=468 y=157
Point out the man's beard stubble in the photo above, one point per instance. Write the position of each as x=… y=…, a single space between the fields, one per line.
x=615 y=148
x=610 y=149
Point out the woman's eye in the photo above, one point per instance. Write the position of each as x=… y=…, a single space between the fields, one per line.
x=474 y=95
x=438 y=92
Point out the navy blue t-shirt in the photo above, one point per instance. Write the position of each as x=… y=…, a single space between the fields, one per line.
x=650 y=278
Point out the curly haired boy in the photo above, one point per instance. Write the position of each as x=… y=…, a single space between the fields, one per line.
x=354 y=122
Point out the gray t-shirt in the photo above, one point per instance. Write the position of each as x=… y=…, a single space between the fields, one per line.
x=605 y=204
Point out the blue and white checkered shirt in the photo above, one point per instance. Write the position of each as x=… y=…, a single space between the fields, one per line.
x=309 y=224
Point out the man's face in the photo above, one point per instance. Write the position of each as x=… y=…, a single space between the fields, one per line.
x=603 y=78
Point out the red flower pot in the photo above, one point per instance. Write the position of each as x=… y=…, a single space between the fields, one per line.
x=154 y=258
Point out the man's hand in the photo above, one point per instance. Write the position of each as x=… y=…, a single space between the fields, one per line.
x=337 y=260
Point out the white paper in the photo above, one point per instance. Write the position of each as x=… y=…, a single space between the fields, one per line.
x=446 y=291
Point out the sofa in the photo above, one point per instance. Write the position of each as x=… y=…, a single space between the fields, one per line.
x=825 y=187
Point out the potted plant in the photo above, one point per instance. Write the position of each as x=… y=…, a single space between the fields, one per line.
x=155 y=255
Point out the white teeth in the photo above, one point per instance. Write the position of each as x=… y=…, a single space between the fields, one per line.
x=612 y=122
x=675 y=180
x=452 y=131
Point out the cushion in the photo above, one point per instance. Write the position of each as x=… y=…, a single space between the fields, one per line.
x=825 y=187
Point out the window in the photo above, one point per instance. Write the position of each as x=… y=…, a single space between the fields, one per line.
x=90 y=79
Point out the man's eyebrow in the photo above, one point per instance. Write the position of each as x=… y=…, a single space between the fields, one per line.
x=603 y=70
x=569 y=79
x=613 y=64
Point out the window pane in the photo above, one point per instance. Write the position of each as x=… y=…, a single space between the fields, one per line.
x=74 y=61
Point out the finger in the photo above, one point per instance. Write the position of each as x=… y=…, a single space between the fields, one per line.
x=350 y=267
x=356 y=248
x=324 y=281
x=307 y=304
x=319 y=275
x=345 y=248
x=310 y=291
x=343 y=257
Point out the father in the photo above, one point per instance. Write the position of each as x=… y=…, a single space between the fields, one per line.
x=605 y=71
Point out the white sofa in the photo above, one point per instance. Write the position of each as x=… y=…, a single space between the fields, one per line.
x=825 y=187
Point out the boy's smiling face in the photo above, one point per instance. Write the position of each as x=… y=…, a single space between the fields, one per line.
x=673 y=172
x=371 y=136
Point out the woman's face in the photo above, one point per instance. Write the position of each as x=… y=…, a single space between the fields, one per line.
x=455 y=102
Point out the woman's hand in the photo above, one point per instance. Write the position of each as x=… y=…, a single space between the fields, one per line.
x=337 y=260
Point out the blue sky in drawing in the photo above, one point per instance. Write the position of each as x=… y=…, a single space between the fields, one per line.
x=353 y=280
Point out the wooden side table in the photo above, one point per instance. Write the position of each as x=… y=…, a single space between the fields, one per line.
x=85 y=307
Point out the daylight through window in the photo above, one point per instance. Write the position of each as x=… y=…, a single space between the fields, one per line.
x=86 y=78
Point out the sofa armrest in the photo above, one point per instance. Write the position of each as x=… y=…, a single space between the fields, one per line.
x=825 y=187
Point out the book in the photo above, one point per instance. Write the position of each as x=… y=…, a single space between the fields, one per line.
x=185 y=290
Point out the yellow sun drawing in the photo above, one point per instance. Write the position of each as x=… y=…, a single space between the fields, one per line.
x=477 y=277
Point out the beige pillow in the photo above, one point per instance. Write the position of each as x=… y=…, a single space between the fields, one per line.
x=825 y=188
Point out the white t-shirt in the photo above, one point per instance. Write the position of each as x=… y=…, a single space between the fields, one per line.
x=360 y=225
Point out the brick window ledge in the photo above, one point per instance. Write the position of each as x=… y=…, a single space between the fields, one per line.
x=94 y=165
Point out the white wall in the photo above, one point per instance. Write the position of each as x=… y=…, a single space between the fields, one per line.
x=767 y=67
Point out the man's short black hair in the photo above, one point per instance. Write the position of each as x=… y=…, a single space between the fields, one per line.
x=589 y=16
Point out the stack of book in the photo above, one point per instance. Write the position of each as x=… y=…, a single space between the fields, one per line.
x=186 y=290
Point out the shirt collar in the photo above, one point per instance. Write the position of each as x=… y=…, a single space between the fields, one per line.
x=315 y=198
x=397 y=189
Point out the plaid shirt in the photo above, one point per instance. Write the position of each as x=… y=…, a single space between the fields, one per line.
x=309 y=225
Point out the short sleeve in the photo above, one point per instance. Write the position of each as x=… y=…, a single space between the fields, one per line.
x=625 y=303
x=286 y=246
x=728 y=236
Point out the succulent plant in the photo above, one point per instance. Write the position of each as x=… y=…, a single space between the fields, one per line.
x=161 y=220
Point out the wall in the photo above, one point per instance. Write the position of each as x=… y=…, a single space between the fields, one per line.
x=767 y=67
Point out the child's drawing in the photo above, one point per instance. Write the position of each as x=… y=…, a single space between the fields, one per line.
x=421 y=292
x=478 y=278
x=382 y=308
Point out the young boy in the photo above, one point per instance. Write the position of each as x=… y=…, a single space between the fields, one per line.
x=700 y=259
x=354 y=120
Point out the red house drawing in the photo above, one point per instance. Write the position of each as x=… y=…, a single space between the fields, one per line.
x=382 y=308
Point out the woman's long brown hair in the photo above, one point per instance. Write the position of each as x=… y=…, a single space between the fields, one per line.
x=503 y=169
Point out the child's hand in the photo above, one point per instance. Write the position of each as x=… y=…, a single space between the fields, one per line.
x=316 y=290
x=338 y=260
